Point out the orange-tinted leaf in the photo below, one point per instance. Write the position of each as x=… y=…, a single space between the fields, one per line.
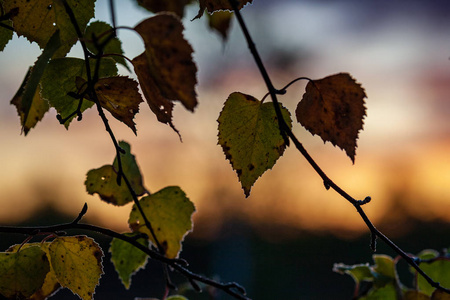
x=156 y=6
x=214 y=5
x=119 y=95
x=220 y=21
x=333 y=108
x=169 y=58
x=161 y=106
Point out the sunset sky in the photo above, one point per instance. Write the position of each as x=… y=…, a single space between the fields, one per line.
x=399 y=54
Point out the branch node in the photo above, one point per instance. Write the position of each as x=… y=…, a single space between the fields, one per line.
x=327 y=185
x=81 y=214
x=365 y=201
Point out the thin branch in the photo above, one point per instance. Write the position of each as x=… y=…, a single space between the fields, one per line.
x=179 y=265
x=285 y=130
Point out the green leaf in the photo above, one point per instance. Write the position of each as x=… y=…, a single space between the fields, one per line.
x=177 y=297
x=127 y=259
x=220 y=21
x=438 y=270
x=360 y=272
x=35 y=112
x=22 y=273
x=51 y=284
x=169 y=58
x=77 y=262
x=59 y=80
x=250 y=136
x=5 y=34
x=169 y=211
x=30 y=106
x=387 y=292
x=384 y=270
x=103 y=180
x=38 y=20
x=114 y=46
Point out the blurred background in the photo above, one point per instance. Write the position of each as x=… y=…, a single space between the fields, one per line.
x=282 y=241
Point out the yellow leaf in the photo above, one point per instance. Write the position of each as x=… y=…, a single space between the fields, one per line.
x=119 y=95
x=22 y=273
x=169 y=58
x=333 y=108
x=169 y=212
x=77 y=262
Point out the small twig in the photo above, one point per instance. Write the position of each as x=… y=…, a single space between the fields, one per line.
x=283 y=90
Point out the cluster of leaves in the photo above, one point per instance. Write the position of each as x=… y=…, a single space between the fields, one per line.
x=165 y=73
x=252 y=134
x=384 y=282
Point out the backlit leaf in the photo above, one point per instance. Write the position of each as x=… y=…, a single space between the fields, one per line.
x=169 y=211
x=386 y=292
x=220 y=21
x=5 y=34
x=114 y=46
x=103 y=180
x=215 y=5
x=333 y=108
x=30 y=106
x=51 y=284
x=250 y=136
x=360 y=272
x=156 y=6
x=437 y=270
x=177 y=297
x=35 y=112
x=77 y=262
x=38 y=20
x=22 y=273
x=127 y=259
x=119 y=95
x=59 y=80
x=169 y=58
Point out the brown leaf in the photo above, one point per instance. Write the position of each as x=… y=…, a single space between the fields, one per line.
x=156 y=6
x=169 y=58
x=215 y=5
x=161 y=106
x=220 y=21
x=119 y=95
x=333 y=108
